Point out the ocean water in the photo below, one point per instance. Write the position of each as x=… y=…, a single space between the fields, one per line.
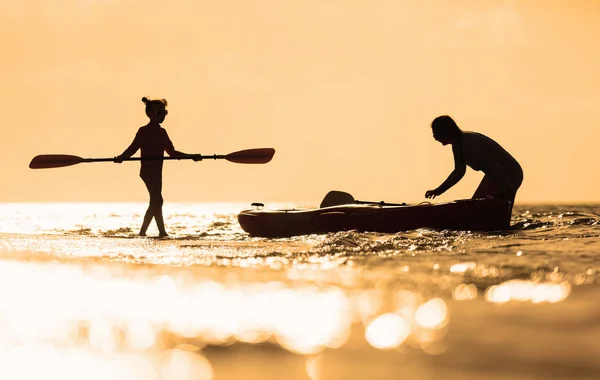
x=83 y=297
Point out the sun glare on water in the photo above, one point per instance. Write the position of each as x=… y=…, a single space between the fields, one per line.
x=76 y=310
x=68 y=318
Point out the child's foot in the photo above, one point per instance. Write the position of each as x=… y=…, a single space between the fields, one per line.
x=142 y=233
x=163 y=234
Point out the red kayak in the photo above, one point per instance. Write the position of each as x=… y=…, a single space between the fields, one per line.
x=469 y=215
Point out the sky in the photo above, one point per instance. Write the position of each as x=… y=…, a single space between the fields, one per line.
x=344 y=90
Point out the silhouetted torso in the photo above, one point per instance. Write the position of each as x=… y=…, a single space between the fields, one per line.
x=478 y=150
x=152 y=141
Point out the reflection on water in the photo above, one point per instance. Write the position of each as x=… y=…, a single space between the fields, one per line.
x=387 y=331
x=519 y=290
x=42 y=361
x=64 y=304
x=78 y=290
x=465 y=292
x=68 y=318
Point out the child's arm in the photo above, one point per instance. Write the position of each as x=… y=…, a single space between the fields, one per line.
x=130 y=151
x=171 y=151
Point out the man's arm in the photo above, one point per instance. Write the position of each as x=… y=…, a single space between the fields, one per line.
x=459 y=171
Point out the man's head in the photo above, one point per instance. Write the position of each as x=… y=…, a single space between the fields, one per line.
x=445 y=130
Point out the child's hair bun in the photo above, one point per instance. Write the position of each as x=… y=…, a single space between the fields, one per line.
x=145 y=100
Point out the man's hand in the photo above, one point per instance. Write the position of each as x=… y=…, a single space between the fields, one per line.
x=433 y=193
x=118 y=159
x=196 y=157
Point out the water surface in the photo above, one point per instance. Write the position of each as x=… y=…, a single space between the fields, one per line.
x=80 y=289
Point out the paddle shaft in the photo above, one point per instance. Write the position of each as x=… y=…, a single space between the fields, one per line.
x=157 y=158
x=382 y=203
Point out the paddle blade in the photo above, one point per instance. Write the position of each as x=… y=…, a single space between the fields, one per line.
x=46 y=161
x=251 y=156
x=336 y=198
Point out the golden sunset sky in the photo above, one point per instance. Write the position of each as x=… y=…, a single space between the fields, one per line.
x=344 y=90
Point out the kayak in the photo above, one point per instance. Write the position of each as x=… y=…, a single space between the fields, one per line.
x=487 y=214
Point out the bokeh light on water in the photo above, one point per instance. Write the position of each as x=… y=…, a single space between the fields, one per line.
x=135 y=323
x=110 y=315
x=387 y=331
x=83 y=300
x=521 y=290
x=64 y=303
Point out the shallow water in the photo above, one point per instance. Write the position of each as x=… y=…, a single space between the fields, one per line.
x=80 y=289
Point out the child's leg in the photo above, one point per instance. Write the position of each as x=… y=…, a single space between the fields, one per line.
x=149 y=211
x=158 y=214
x=154 y=185
x=147 y=219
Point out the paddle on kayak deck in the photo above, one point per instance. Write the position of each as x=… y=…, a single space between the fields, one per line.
x=336 y=198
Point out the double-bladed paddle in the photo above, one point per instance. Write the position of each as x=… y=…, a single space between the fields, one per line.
x=249 y=156
x=336 y=198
